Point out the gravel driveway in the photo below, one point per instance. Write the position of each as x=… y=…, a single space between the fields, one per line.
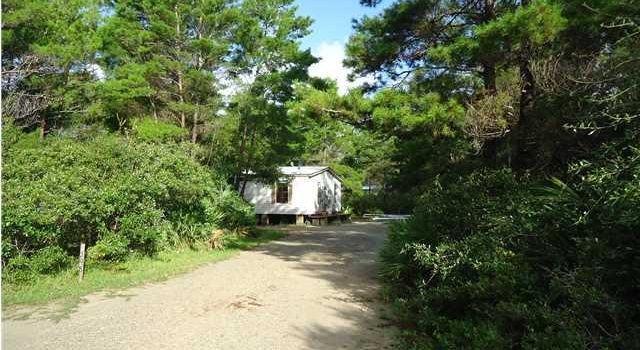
x=314 y=289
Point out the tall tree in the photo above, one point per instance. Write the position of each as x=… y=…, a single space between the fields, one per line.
x=394 y=138
x=477 y=51
x=175 y=58
x=266 y=61
x=414 y=29
x=177 y=48
x=48 y=60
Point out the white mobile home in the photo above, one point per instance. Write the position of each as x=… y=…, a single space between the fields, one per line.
x=306 y=192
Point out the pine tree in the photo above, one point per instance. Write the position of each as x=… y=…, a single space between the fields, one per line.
x=177 y=48
x=48 y=61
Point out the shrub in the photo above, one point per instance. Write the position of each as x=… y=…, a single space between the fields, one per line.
x=144 y=229
x=151 y=130
x=18 y=269
x=227 y=210
x=385 y=201
x=492 y=260
x=49 y=260
x=110 y=248
x=108 y=191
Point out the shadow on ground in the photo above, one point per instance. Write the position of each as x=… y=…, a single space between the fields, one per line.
x=345 y=256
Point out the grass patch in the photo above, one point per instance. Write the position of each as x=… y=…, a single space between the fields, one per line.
x=133 y=272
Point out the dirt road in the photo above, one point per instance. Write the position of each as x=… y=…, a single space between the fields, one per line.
x=314 y=289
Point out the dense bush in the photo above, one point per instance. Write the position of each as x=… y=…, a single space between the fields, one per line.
x=151 y=130
x=43 y=261
x=492 y=260
x=110 y=247
x=116 y=195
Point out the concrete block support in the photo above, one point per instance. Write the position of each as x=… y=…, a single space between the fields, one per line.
x=299 y=219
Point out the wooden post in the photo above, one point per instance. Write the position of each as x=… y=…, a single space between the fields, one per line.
x=81 y=263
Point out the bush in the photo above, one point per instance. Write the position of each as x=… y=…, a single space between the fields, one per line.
x=110 y=248
x=18 y=269
x=150 y=130
x=492 y=260
x=49 y=260
x=108 y=192
x=145 y=229
x=227 y=210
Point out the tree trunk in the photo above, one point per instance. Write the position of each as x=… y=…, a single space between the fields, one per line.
x=200 y=60
x=244 y=185
x=194 y=130
x=518 y=134
x=489 y=77
x=527 y=94
x=488 y=67
x=183 y=117
x=250 y=158
x=199 y=65
x=236 y=181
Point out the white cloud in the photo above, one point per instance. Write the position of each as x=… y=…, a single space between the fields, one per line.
x=330 y=66
x=231 y=87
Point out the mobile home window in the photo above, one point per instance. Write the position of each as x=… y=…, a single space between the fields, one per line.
x=282 y=192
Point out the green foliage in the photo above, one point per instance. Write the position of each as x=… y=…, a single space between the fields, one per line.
x=110 y=248
x=49 y=260
x=145 y=228
x=396 y=110
x=160 y=57
x=18 y=269
x=499 y=261
x=83 y=71
x=227 y=210
x=121 y=97
x=151 y=130
x=382 y=201
x=122 y=196
x=536 y=24
x=150 y=73
x=529 y=243
x=395 y=138
x=47 y=51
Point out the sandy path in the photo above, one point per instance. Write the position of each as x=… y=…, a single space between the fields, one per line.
x=314 y=289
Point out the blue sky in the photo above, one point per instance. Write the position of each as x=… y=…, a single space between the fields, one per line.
x=332 y=19
x=331 y=28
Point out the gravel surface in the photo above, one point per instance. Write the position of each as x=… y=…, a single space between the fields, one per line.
x=314 y=289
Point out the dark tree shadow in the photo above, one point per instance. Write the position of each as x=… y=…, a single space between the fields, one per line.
x=346 y=256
